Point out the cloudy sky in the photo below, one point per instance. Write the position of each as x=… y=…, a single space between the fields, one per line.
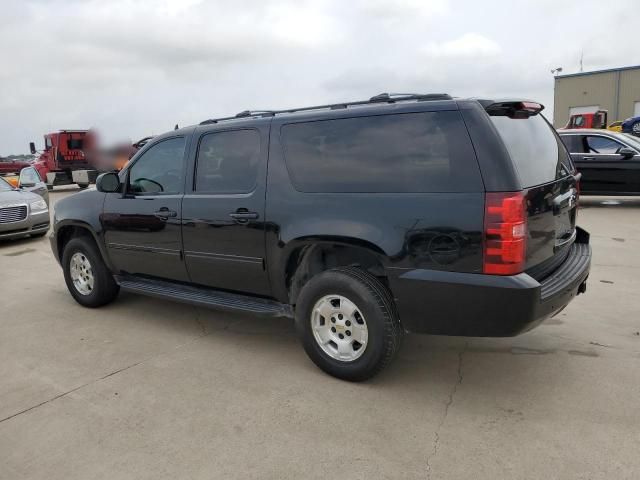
x=135 y=68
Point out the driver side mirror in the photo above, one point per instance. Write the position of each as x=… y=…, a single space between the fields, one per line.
x=108 y=183
x=32 y=148
x=627 y=152
x=27 y=178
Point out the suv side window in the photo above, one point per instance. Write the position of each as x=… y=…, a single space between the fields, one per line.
x=227 y=162
x=400 y=153
x=160 y=169
x=597 y=144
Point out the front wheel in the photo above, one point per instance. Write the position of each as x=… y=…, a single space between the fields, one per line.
x=87 y=277
x=635 y=129
x=347 y=322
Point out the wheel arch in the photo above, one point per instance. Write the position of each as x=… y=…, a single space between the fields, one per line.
x=305 y=257
x=66 y=230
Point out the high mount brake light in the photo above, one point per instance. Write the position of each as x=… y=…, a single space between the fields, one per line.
x=531 y=107
x=514 y=109
x=505 y=233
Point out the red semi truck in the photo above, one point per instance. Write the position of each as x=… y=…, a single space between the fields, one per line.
x=64 y=160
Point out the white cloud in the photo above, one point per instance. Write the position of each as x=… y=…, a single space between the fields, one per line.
x=471 y=45
x=135 y=67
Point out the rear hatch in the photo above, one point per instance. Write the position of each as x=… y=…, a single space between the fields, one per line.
x=550 y=184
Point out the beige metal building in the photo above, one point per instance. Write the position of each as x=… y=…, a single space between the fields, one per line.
x=616 y=90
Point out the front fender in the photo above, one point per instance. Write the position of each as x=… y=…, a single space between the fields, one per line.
x=80 y=210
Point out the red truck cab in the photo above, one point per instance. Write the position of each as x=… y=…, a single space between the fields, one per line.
x=64 y=152
x=596 y=119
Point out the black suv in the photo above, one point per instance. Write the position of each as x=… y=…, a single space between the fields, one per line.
x=363 y=220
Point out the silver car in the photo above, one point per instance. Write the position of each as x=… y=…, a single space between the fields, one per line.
x=24 y=210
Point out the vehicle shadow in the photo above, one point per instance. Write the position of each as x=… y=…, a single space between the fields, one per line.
x=423 y=362
x=19 y=242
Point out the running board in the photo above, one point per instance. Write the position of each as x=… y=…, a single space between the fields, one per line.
x=203 y=297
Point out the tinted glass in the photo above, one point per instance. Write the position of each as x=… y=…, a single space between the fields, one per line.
x=412 y=152
x=4 y=186
x=159 y=169
x=535 y=149
x=598 y=144
x=573 y=143
x=228 y=162
x=75 y=144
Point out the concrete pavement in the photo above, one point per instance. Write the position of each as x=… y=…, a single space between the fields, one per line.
x=151 y=389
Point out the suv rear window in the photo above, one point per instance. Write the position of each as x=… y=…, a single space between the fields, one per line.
x=538 y=154
x=409 y=152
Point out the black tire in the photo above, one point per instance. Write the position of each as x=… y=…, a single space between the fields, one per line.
x=83 y=185
x=105 y=289
x=635 y=129
x=374 y=300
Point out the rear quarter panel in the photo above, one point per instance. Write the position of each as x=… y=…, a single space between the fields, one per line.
x=439 y=231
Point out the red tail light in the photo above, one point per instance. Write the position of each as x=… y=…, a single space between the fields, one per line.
x=505 y=233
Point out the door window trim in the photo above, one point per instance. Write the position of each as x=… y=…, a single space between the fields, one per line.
x=194 y=177
x=127 y=171
x=597 y=135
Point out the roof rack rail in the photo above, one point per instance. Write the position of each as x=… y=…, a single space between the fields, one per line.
x=393 y=97
x=380 y=98
x=253 y=113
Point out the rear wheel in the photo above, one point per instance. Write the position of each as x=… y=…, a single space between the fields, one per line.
x=635 y=129
x=83 y=185
x=87 y=277
x=348 y=324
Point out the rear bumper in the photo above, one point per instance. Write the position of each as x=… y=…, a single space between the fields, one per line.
x=467 y=304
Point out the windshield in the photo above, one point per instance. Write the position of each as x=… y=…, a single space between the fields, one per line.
x=632 y=141
x=4 y=186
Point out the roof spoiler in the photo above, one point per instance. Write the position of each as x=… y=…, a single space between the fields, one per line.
x=512 y=108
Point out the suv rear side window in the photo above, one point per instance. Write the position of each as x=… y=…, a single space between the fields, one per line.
x=538 y=154
x=228 y=162
x=409 y=152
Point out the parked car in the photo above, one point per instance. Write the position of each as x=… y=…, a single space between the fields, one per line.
x=632 y=126
x=615 y=126
x=23 y=210
x=608 y=161
x=415 y=213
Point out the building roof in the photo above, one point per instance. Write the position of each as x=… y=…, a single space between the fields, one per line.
x=595 y=72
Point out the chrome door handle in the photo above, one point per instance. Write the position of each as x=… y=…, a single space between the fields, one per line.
x=166 y=213
x=243 y=216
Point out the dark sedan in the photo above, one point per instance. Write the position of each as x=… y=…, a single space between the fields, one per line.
x=609 y=161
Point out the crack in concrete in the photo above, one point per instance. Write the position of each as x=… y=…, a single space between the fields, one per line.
x=204 y=332
x=104 y=377
x=436 y=437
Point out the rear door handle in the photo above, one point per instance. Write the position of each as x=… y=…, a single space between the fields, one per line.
x=242 y=215
x=164 y=212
